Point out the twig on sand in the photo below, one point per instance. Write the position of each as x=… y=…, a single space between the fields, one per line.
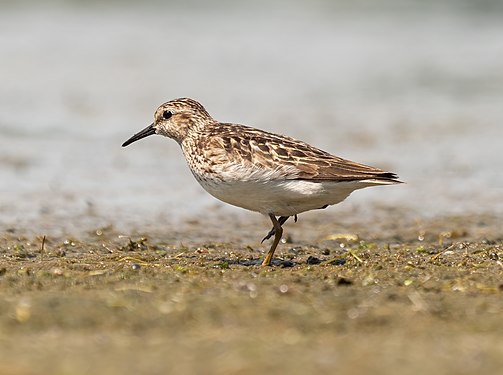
x=42 y=248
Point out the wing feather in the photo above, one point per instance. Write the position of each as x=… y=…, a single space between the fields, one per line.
x=264 y=150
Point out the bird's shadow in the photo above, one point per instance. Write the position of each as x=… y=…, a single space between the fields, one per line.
x=282 y=263
x=257 y=262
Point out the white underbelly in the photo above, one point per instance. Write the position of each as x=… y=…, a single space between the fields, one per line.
x=280 y=197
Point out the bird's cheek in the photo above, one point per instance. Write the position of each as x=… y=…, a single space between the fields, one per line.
x=162 y=130
x=167 y=131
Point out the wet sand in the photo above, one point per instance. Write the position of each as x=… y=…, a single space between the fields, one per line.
x=382 y=295
x=142 y=272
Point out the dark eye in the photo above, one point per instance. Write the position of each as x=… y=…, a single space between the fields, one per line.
x=167 y=114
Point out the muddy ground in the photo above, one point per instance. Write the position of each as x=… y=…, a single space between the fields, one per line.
x=380 y=296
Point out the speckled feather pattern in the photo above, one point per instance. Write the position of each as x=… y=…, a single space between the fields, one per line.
x=259 y=170
x=238 y=144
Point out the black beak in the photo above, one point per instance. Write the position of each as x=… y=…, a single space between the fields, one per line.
x=149 y=130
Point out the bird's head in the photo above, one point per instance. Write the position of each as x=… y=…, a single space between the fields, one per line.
x=175 y=119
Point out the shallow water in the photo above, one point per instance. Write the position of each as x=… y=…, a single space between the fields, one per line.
x=415 y=89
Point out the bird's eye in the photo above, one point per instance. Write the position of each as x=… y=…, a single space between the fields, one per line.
x=167 y=114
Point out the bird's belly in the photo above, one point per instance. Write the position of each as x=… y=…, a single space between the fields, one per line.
x=279 y=197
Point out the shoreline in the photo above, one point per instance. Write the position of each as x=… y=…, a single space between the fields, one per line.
x=394 y=292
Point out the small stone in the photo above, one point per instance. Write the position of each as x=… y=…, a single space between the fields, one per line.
x=338 y=262
x=313 y=260
x=287 y=264
x=343 y=281
x=283 y=288
x=493 y=256
x=57 y=271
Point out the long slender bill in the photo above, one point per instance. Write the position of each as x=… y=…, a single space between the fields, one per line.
x=149 y=130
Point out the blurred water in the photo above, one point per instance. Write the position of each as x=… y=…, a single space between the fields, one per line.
x=413 y=87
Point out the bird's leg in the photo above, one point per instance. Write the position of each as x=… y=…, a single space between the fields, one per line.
x=281 y=221
x=278 y=232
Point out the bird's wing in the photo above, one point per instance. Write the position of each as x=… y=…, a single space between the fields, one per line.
x=266 y=151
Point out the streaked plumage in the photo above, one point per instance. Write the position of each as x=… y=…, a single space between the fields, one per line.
x=258 y=170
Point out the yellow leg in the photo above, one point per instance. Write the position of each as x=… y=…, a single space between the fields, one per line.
x=278 y=232
x=282 y=220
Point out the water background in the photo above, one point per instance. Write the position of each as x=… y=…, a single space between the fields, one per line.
x=411 y=87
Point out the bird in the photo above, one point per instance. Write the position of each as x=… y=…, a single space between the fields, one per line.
x=275 y=175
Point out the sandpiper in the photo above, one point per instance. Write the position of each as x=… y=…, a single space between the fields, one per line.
x=260 y=171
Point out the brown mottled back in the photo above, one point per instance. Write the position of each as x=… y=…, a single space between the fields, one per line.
x=243 y=144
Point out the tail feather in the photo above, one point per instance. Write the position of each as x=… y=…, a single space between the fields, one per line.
x=385 y=178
